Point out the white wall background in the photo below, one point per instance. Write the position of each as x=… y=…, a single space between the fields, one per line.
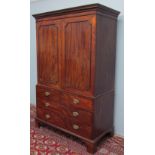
x=39 y=6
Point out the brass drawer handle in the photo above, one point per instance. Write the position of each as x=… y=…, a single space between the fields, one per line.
x=47 y=116
x=76 y=127
x=75 y=101
x=47 y=93
x=75 y=114
x=47 y=104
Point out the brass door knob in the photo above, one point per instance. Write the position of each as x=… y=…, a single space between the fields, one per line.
x=75 y=101
x=47 y=93
x=75 y=114
x=47 y=116
x=46 y=104
x=76 y=127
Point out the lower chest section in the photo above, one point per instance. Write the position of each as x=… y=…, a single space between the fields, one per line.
x=66 y=111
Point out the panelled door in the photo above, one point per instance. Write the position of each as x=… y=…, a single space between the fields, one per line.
x=78 y=46
x=48 y=44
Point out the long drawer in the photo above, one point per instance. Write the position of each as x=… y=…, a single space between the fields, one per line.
x=79 y=128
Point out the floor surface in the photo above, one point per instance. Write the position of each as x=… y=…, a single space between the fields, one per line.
x=48 y=142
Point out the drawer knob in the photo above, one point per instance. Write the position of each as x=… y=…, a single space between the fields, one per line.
x=47 y=104
x=47 y=116
x=75 y=114
x=47 y=93
x=76 y=127
x=75 y=101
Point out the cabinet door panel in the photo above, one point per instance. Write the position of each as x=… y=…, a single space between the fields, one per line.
x=77 y=55
x=48 y=54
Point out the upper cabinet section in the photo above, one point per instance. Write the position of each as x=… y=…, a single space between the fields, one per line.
x=74 y=48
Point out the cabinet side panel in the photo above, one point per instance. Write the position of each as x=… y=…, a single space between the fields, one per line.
x=103 y=114
x=105 y=54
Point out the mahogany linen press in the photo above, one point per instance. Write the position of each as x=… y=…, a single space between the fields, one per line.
x=76 y=50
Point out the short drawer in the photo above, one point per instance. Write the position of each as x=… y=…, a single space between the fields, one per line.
x=77 y=102
x=46 y=104
x=52 y=117
x=47 y=94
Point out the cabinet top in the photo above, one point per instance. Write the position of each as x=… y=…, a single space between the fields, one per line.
x=92 y=7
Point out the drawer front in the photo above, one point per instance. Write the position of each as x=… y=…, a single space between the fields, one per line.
x=77 y=102
x=80 y=128
x=46 y=104
x=52 y=117
x=80 y=115
x=47 y=94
